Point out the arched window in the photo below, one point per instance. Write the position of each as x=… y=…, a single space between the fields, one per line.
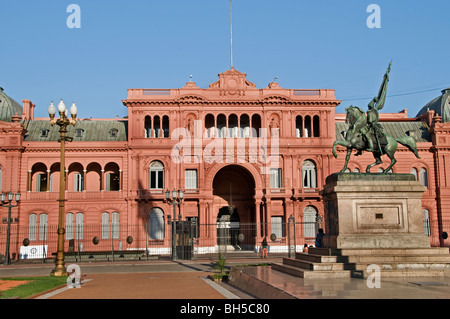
x=165 y=126
x=157 y=126
x=299 y=126
x=32 y=226
x=309 y=174
x=426 y=222
x=316 y=126
x=423 y=177
x=69 y=226
x=276 y=178
x=415 y=173
x=221 y=126
x=156 y=224
x=233 y=129
x=309 y=221
x=79 y=223
x=307 y=131
x=245 y=125
x=256 y=125
x=148 y=126
x=209 y=125
x=105 y=225
x=356 y=170
x=115 y=226
x=156 y=175
x=277 y=226
x=43 y=226
x=77 y=231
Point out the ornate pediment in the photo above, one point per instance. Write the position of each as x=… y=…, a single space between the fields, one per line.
x=275 y=98
x=190 y=98
x=232 y=82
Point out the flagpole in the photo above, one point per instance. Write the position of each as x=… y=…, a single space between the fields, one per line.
x=231 y=35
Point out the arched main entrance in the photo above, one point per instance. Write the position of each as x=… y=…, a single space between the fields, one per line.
x=234 y=204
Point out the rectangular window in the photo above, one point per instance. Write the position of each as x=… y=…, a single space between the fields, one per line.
x=78 y=182
x=156 y=179
x=277 y=226
x=275 y=178
x=190 y=177
x=309 y=178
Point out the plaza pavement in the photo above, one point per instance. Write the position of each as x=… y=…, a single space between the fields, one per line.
x=188 y=280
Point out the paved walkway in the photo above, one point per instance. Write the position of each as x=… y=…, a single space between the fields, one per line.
x=138 y=280
x=187 y=280
x=152 y=285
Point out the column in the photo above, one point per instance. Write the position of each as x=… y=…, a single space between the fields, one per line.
x=102 y=181
x=120 y=180
x=84 y=179
x=48 y=180
x=258 y=221
x=29 y=180
x=266 y=218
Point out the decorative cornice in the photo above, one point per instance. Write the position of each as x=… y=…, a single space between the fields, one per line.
x=259 y=102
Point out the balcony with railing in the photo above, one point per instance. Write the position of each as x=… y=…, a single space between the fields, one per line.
x=70 y=195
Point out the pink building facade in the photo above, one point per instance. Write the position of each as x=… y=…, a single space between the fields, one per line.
x=260 y=154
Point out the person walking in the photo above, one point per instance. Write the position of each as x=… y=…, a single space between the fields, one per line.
x=264 y=248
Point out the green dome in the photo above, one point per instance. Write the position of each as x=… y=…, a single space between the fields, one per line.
x=440 y=105
x=8 y=107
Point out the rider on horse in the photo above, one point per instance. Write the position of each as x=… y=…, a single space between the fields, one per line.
x=373 y=128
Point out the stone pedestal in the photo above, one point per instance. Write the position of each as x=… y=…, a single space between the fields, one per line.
x=371 y=219
x=373 y=211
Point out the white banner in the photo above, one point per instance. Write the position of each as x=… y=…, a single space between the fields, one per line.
x=33 y=252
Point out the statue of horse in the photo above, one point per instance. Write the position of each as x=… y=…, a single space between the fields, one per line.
x=357 y=119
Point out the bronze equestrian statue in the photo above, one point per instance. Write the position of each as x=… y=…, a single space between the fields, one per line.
x=366 y=134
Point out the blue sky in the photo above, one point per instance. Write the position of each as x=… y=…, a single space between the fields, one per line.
x=158 y=44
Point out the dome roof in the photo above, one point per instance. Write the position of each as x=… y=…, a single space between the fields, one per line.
x=440 y=105
x=8 y=107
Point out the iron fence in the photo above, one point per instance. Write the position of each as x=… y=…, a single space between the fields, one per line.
x=115 y=242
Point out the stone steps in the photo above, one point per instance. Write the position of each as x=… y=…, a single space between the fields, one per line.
x=375 y=251
x=339 y=263
x=303 y=273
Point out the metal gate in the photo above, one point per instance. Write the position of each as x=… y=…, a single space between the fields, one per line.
x=185 y=234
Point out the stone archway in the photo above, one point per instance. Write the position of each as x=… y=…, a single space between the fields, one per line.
x=234 y=207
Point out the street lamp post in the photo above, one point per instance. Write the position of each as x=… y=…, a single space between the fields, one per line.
x=62 y=122
x=7 y=201
x=177 y=198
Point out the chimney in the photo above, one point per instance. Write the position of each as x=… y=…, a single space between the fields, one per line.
x=28 y=110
